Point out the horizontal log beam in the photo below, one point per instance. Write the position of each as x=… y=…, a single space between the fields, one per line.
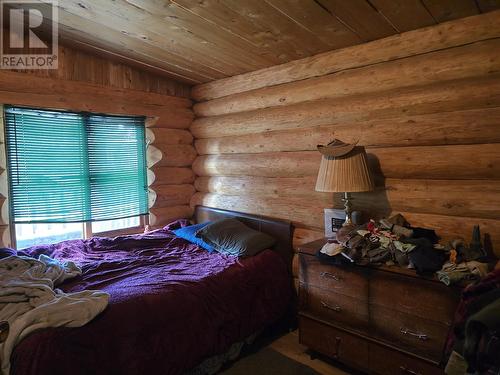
x=273 y=187
x=445 y=35
x=174 y=118
x=171 y=195
x=450 y=96
x=158 y=176
x=169 y=136
x=459 y=127
x=32 y=84
x=478 y=161
x=162 y=155
x=473 y=60
x=302 y=236
x=462 y=198
x=475 y=198
x=297 y=210
x=424 y=162
x=274 y=164
x=162 y=216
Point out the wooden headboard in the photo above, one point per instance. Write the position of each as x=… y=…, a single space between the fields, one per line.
x=279 y=229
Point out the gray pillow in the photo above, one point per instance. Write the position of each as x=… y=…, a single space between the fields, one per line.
x=230 y=236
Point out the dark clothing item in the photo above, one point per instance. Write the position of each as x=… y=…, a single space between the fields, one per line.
x=429 y=234
x=377 y=256
x=475 y=244
x=482 y=345
x=336 y=260
x=467 y=254
x=470 y=303
x=473 y=307
x=424 y=257
x=401 y=258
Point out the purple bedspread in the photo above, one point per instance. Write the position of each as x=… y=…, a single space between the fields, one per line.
x=172 y=305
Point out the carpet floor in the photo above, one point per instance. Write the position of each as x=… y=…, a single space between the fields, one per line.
x=267 y=362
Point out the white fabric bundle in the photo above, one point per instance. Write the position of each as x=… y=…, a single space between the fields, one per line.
x=29 y=300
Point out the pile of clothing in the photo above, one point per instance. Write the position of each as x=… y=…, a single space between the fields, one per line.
x=394 y=241
x=473 y=346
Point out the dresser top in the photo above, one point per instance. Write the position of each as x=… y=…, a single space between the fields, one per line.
x=311 y=248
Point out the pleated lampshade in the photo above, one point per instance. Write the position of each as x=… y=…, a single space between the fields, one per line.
x=348 y=173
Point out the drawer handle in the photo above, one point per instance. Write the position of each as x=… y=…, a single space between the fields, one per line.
x=329 y=276
x=420 y=336
x=405 y=370
x=337 y=347
x=333 y=308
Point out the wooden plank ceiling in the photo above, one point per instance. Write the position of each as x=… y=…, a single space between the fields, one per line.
x=198 y=41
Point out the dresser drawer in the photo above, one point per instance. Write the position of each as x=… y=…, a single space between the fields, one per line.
x=333 y=307
x=347 y=281
x=419 y=297
x=384 y=361
x=420 y=336
x=335 y=343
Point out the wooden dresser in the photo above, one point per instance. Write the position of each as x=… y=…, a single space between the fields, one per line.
x=384 y=320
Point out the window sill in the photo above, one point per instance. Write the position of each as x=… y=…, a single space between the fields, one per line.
x=120 y=232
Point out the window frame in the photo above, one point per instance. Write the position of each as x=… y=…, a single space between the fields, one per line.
x=144 y=220
x=143 y=224
x=87 y=230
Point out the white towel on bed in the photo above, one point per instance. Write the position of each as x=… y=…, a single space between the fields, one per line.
x=29 y=300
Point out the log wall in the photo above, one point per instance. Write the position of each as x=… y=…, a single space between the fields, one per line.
x=426 y=104
x=85 y=82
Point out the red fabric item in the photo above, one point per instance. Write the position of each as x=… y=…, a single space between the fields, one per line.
x=371 y=226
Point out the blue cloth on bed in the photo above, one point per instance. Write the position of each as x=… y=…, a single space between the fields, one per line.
x=189 y=234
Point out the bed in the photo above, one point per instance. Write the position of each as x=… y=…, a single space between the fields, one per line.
x=172 y=305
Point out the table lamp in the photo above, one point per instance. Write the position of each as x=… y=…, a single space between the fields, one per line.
x=344 y=168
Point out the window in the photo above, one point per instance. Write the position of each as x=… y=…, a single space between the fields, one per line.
x=38 y=234
x=69 y=168
x=117 y=224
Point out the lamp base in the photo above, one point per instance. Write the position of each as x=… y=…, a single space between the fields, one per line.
x=348 y=209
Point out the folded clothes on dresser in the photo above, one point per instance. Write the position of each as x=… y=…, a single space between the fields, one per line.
x=393 y=241
x=452 y=273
